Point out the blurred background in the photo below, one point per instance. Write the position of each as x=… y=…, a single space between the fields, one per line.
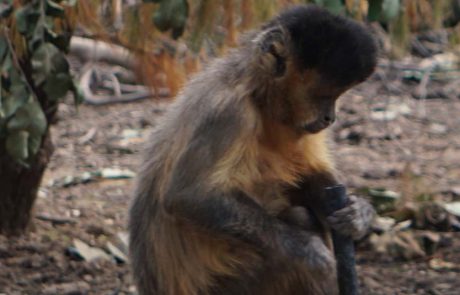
x=83 y=83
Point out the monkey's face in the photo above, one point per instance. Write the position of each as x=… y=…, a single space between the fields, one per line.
x=304 y=72
x=311 y=101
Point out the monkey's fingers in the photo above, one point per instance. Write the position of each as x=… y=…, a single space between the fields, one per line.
x=354 y=220
x=353 y=228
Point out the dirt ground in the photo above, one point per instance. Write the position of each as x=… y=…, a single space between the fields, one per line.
x=420 y=135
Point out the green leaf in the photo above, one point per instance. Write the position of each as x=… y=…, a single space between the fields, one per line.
x=7 y=64
x=3 y=132
x=77 y=92
x=334 y=6
x=61 y=41
x=57 y=86
x=28 y=117
x=21 y=20
x=60 y=63
x=171 y=14
x=390 y=9
x=11 y=104
x=17 y=145
x=51 y=71
x=26 y=19
x=161 y=21
x=38 y=37
x=3 y=47
x=374 y=10
x=54 y=9
x=19 y=94
x=2 y=94
x=179 y=19
x=46 y=60
x=34 y=144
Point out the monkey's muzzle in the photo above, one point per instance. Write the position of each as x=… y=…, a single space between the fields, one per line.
x=316 y=126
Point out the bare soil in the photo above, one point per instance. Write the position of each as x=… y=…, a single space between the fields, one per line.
x=424 y=137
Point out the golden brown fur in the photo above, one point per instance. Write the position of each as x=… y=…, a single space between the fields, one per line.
x=241 y=146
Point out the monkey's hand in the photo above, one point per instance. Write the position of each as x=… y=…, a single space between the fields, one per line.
x=354 y=220
x=297 y=215
x=309 y=249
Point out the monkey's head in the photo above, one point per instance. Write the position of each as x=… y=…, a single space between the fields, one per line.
x=307 y=58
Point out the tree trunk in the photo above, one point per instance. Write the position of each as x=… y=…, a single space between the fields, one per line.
x=19 y=186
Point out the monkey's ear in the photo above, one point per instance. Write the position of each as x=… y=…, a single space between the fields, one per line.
x=272 y=48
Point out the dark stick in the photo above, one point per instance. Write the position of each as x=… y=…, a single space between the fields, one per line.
x=344 y=249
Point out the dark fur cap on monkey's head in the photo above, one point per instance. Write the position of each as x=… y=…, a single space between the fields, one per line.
x=341 y=49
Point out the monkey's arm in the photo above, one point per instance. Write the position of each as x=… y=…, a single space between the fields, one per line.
x=231 y=214
x=234 y=215
x=354 y=220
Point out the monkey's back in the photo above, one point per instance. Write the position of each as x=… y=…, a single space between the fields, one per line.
x=170 y=256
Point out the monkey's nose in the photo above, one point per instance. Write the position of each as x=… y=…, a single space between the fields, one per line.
x=329 y=119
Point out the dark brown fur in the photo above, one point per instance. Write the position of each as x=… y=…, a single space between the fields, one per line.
x=232 y=178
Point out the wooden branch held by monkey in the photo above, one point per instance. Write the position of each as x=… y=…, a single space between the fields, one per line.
x=233 y=178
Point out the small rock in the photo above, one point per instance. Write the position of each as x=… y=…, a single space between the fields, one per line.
x=75 y=212
x=42 y=193
x=438 y=264
x=109 y=221
x=73 y=288
x=89 y=253
x=131 y=133
x=132 y=289
x=383 y=115
x=403 y=225
x=383 y=224
x=436 y=128
x=383 y=199
x=390 y=112
x=455 y=191
x=123 y=238
x=120 y=257
x=371 y=283
x=112 y=173
x=453 y=208
x=384 y=194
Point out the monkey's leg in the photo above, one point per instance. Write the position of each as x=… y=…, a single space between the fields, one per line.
x=274 y=279
x=236 y=216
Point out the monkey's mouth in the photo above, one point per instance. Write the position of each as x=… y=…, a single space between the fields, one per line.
x=315 y=127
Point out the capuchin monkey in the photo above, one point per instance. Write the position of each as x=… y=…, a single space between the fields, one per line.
x=229 y=194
